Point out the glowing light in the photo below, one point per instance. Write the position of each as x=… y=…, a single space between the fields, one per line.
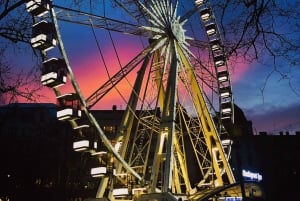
x=226 y=142
x=120 y=192
x=226 y=110
x=199 y=2
x=98 y=171
x=68 y=113
x=252 y=175
x=81 y=145
x=138 y=190
x=166 y=26
x=118 y=146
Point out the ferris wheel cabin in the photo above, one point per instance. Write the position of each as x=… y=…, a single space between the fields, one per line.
x=43 y=36
x=38 y=7
x=99 y=171
x=226 y=110
x=223 y=76
x=199 y=2
x=54 y=73
x=85 y=145
x=219 y=60
x=215 y=45
x=205 y=14
x=225 y=92
x=105 y=167
x=211 y=29
x=69 y=107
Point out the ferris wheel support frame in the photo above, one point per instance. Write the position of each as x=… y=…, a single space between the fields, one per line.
x=211 y=135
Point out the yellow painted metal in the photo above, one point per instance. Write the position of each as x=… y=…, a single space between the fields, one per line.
x=183 y=165
x=124 y=132
x=210 y=132
x=167 y=127
x=159 y=71
x=158 y=158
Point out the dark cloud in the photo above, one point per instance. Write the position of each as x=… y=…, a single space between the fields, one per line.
x=274 y=119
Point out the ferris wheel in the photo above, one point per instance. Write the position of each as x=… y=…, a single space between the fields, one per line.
x=171 y=142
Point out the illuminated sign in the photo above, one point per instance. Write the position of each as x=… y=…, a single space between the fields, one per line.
x=252 y=175
x=233 y=198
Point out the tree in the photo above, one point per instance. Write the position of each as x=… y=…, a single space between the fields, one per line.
x=17 y=84
x=15 y=32
x=263 y=31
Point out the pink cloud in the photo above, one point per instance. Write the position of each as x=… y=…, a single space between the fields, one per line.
x=238 y=70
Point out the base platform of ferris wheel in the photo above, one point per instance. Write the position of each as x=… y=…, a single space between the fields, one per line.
x=240 y=191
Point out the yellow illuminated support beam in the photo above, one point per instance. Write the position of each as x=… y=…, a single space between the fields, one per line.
x=159 y=71
x=210 y=133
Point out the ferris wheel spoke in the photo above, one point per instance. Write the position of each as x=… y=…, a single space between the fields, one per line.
x=102 y=22
x=115 y=79
x=133 y=9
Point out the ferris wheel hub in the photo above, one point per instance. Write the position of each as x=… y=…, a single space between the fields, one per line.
x=178 y=31
x=165 y=24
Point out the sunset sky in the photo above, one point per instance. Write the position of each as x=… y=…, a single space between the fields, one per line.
x=270 y=102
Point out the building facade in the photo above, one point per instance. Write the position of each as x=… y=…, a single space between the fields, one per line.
x=38 y=162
